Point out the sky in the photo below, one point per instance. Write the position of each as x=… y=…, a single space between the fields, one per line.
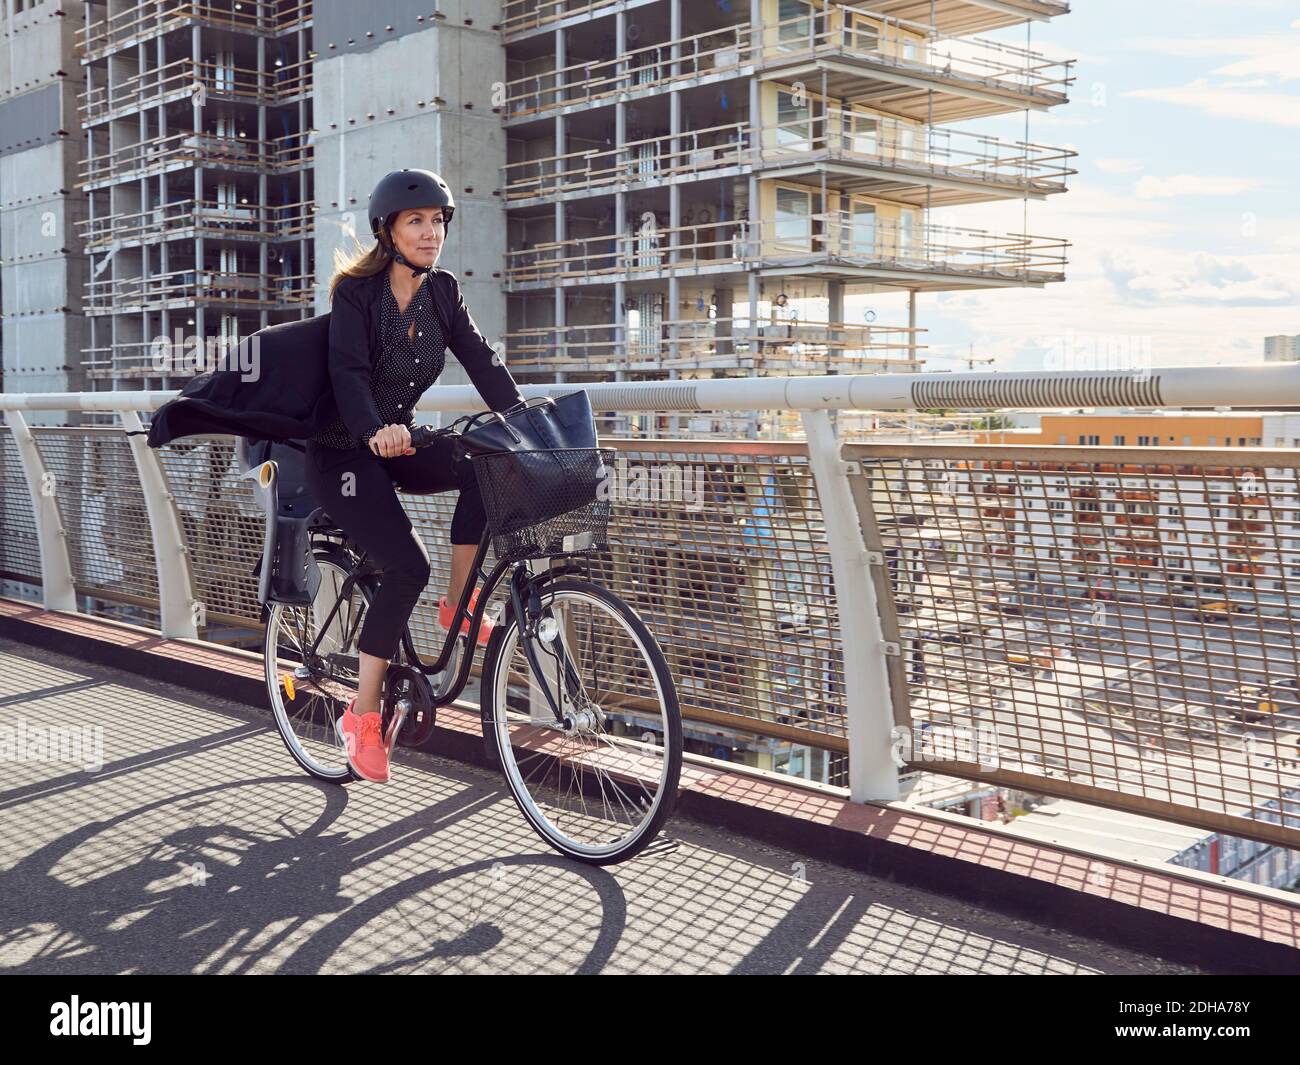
x=1182 y=218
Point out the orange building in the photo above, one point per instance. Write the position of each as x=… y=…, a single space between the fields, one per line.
x=1140 y=429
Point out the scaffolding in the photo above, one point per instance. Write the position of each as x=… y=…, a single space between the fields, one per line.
x=699 y=190
x=198 y=177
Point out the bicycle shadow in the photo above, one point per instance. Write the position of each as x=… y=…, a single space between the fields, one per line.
x=183 y=884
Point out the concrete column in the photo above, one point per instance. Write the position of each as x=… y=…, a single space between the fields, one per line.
x=165 y=318
x=753 y=251
x=196 y=52
x=262 y=248
x=619 y=229
x=675 y=221
x=834 y=315
x=722 y=328
x=146 y=263
x=620 y=44
x=305 y=246
x=911 y=324
x=675 y=33
x=561 y=228
x=620 y=240
x=619 y=353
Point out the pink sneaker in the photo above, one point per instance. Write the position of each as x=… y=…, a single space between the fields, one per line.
x=446 y=611
x=364 y=742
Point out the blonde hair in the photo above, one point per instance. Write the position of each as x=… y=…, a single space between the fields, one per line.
x=361 y=261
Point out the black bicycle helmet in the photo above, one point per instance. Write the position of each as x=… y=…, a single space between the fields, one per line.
x=403 y=190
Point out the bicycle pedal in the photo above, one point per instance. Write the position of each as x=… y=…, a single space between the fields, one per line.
x=395 y=726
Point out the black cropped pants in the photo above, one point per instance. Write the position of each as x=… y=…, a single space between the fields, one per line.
x=358 y=489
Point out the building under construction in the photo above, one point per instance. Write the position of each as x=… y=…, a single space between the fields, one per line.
x=646 y=189
x=695 y=189
x=198 y=179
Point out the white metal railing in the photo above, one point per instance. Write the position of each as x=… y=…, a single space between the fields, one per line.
x=188 y=148
x=773 y=344
x=849 y=239
x=151 y=17
x=841 y=135
x=210 y=217
x=186 y=77
x=889 y=44
x=520 y=16
x=837 y=592
x=188 y=286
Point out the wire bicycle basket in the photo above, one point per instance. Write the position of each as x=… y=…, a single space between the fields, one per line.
x=553 y=501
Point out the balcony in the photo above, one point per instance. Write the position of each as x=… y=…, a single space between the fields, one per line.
x=853 y=54
x=962 y=17
x=730 y=344
x=830 y=246
x=188 y=149
x=147 y=19
x=895 y=160
x=191 y=288
x=521 y=18
x=185 y=218
x=598 y=81
x=184 y=79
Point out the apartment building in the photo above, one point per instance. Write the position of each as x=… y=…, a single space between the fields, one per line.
x=1156 y=428
x=42 y=266
x=1281 y=348
x=1181 y=537
x=695 y=189
x=198 y=181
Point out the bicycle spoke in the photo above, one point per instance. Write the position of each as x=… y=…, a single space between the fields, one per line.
x=591 y=785
x=319 y=685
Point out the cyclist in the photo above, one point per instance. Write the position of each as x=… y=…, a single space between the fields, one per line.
x=392 y=315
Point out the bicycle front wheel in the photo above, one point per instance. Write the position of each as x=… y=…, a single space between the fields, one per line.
x=308 y=690
x=598 y=784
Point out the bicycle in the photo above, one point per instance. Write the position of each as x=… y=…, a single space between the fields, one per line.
x=561 y=735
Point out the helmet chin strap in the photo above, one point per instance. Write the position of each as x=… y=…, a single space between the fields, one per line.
x=416 y=271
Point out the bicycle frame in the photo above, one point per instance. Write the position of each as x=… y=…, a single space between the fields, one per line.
x=522 y=582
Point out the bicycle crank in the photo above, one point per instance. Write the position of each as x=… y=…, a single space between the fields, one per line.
x=408 y=707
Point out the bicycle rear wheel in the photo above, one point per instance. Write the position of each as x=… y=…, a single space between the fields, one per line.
x=309 y=691
x=599 y=785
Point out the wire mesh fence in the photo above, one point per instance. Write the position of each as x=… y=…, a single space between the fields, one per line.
x=1116 y=624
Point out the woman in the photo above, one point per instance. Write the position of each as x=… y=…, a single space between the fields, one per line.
x=391 y=317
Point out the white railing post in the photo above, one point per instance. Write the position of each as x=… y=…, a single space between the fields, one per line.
x=171 y=554
x=58 y=592
x=869 y=709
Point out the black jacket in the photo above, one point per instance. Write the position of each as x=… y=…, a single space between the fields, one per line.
x=312 y=370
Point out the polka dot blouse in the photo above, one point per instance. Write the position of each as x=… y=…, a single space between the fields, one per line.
x=406 y=367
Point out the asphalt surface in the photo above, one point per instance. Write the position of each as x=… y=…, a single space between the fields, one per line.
x=200 y=847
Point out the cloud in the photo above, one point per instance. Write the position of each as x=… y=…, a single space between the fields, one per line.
x=1056 y=53
x=1276 y=109
x=1201 y=280
x=1259 y=62
x=1282 y=63
x=1153 y=188
x=1259 y=46
x=1118 y=166
x=1211 y=279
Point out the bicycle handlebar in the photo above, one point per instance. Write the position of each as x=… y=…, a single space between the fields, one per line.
x=424 y=435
